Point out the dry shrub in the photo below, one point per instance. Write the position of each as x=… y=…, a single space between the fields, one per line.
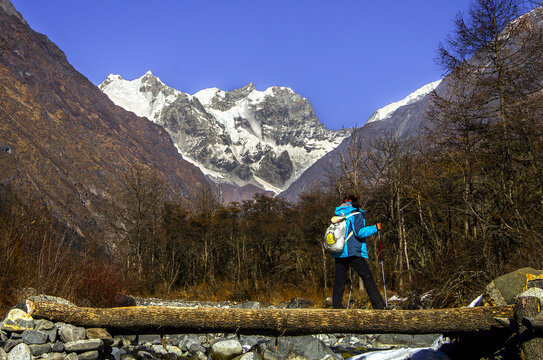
x=97 y=284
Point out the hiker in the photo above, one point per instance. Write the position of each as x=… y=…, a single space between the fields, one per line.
x=355 y=254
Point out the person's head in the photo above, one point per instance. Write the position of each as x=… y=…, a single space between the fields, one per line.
x=353 y=200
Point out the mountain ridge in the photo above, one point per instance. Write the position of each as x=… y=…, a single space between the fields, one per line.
x=70 y=144
x=238 y=137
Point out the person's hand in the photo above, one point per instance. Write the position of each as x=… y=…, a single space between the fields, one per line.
x=378 y=226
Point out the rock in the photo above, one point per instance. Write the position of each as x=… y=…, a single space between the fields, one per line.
x=44 y=325
x=226 y=349
x=172 y=339
x=151 y=339
x=83 y=345
x=535 y=292
x=3 y=355
x=127 y=340
x=249 y=305
x=145 y=355
x=129 y=357
x=69 y=333
x=191 y=343
x=249 y=356
x=34 y=337
x=11 y=343
x=100 y=333
x=48 y=328
x=117 y=353
x=299 y=303
x=199 y=355
x=16 y=336
x=3 y=335
x=89 y=355
x=303 y=347
x=58 y=346
x=40 y=349
x=248 y=342
x=17 y=321
x=52 y=356
x=20 y=352
x=405 y=340
x=503 y=289
x=51 y=299
x=71 y=356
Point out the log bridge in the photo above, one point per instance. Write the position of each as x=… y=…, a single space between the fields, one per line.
x=524 y=318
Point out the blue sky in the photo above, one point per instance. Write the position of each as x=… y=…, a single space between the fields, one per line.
x=349 y=58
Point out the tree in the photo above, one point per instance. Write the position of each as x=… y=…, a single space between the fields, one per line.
x=138 y=210
x=487 y=126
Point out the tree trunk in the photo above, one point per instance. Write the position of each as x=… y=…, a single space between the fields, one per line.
x=153 y=319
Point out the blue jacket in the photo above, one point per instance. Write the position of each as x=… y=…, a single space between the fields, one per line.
x=355 y=245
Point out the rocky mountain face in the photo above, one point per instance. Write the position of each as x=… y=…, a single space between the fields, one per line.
x=405 y=117
x=63 y=141
x=242 y=137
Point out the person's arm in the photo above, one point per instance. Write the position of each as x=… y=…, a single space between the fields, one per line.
x=367 y=231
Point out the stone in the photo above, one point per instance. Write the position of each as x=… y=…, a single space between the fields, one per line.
x=128 y=339
x=52 y=356
x=226 y=349
x=11 y=343
x=58 y=346
x=79 y=346
x=48 y=328
x=3 y=355
x=503 y=289
x=34 y=337
x=145 y=355
x=17 y=321
x=3 y=335
x=172 y=339
x=50 y=298
x=151 y=339
x=40 y=349
x=117 y=353
x=71 y=356
x=191 y=343
x=69 y=333
x=100 y=333
x=299 y=303
x=89 y=355
x=248 y=342
x=44 y=325
x=304 y=347
x=249 y=356
x=199 y=355
x=20 y=352
x=129 y=357
x=16 y=336
x=405 y=340
x=535 y=292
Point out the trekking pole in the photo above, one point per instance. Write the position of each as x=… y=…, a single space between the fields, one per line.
x=382 y=267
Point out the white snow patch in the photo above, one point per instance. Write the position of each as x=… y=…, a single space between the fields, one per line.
x=418 y=94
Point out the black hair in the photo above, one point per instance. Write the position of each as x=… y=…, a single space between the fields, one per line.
x=354 y=201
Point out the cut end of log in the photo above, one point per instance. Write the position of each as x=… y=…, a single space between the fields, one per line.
x=30 y=307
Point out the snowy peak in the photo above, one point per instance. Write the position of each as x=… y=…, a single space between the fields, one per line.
x=239 y=137
x=386 y=111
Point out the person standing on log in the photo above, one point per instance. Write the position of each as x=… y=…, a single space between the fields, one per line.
x=354 y=254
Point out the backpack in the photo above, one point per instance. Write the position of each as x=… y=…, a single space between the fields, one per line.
x=334 y=238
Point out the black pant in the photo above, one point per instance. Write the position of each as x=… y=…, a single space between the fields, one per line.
x=360 y=265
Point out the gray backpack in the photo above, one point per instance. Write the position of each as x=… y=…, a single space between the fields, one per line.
x=335 y=236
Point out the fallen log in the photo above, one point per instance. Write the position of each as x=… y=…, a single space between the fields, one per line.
x=153 y=319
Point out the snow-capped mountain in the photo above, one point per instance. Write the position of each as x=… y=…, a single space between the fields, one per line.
x=403 y=118
x=244 y=136
x=386 y=111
